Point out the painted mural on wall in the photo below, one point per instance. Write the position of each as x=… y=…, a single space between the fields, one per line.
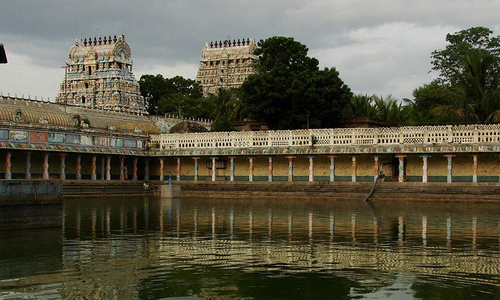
x=116 y=142
x=4 y=134
x=73 y=139
x=38 y=137
x=129 y=143
x=101 y=141
x=18 y=135
x=56 y=137
x=86 y=140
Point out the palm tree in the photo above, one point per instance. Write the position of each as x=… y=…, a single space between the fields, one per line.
x=391 y=110
x=227 y=109
x=475 y=97
x=360 y=106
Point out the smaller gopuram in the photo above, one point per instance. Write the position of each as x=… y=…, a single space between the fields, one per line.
x=99 y=75
x=226 y=64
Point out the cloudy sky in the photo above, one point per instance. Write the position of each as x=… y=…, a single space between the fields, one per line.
x=379 y=46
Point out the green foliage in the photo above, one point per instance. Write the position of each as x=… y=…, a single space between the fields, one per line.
x=289 y=91
x=226 y=108
x=177 y=95
x=360 y=106
x=476 y=41
x=385 y=109
x=468 y=89
x=152 y=88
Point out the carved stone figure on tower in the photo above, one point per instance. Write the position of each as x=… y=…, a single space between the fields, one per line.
x=225 y=64
x=95 y=63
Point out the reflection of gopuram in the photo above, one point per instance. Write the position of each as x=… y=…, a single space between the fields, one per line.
x=225 y=64
x=99 y=75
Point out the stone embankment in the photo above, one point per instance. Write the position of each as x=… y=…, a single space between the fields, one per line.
x=102 y=188
x=30 y=192
x=385 y=191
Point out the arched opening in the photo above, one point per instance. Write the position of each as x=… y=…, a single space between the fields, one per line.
x=83 y=99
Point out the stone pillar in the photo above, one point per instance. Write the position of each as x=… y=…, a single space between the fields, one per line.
x=270 y=176
x=62 y=172
x=146 y=169
x=45 y=174
x=425 y=167
x=93 y=175
x=474 y=176
x=250 y=169
x=311 y=168
x=354 y=169
x=28 y=165
x=122 y=168
x=449 y=157
x=231 y=170
x=103 y=168
x=178 y=169
x=376 y=168
x=79 y=167
x=290 y=168
x=196 y=168
x=134 y=169
x=161 y=169
x=401 y=168
x=108 y=167
x=332 y=168
x=8 y=165
x=214 y=169
x=499 y=174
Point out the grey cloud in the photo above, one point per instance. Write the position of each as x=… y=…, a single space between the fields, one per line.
x=171 y=33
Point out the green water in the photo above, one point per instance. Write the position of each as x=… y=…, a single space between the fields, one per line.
x=149 y=248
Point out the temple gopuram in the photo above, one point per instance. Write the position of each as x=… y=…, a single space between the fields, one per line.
x=99 y=75
x=225 y=64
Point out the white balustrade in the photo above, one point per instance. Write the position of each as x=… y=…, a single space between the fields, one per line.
x=418 y=135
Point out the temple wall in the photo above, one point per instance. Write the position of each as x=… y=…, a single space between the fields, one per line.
x=462 y=167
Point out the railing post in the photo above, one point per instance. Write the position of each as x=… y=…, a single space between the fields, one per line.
x=450 y=134
x=476 y=134
x=425 y=133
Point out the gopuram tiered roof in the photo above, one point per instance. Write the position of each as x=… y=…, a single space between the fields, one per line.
x=226 y=64
x=99 y=75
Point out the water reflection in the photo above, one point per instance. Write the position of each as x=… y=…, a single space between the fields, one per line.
x=148 y=248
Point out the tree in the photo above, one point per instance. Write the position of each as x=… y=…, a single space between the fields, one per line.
x=467 y=90
x=360 y=106
x=289 y=91
x=226 y=109
x=380 y=108
x=153 y=88
x=476 y=41
x=177 y=96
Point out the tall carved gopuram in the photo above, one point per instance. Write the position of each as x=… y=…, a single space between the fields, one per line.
x=99 y=75
x=225 y=64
